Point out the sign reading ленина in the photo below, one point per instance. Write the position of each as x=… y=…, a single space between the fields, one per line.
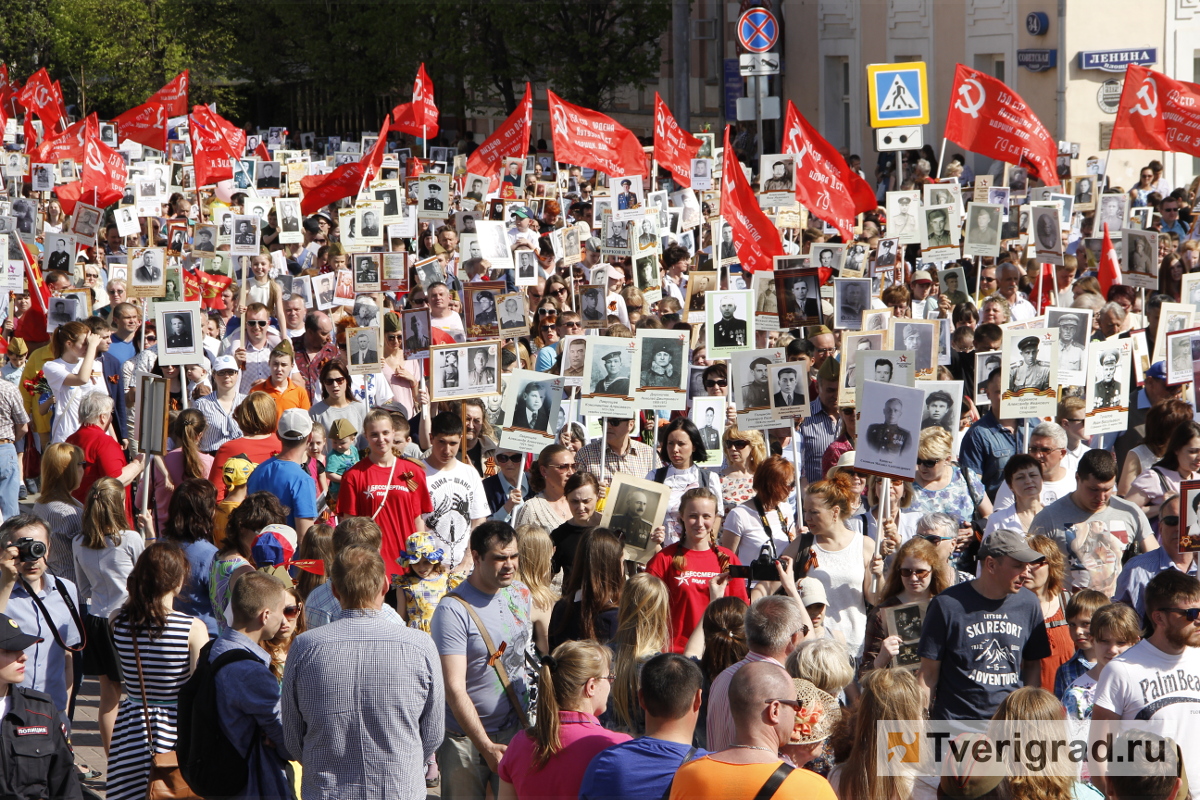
x=1117 y=60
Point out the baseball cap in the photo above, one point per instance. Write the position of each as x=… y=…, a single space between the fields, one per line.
x=812 y=592
x=921 y=275
x=12 y=637
x=294 y=425
x=1158 y=370
x=274 y=546
x=236 y=471
x=342 y=428
x=225 y=364
x=593 y=244
x=521 y=211
x=1008 y=542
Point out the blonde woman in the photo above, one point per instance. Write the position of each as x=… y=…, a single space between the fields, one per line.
x=573 y=690
x=104 y=556
x=1028 y=708
x=744 y=451
x=535 y=553
x=643 y=631
x=62 y=472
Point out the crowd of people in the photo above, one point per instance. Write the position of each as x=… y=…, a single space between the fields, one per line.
x=381 y=594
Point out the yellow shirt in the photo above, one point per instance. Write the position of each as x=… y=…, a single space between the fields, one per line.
x=40 y=423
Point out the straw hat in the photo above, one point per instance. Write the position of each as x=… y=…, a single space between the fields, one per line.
x=817 y=713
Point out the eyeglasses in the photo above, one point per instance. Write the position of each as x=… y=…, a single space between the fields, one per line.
x=1036 y=450
x=933 y=538
x=714 y=383
x=928 y=463
x=257 y=323
x=291 y=612
x=737 y=444
x=505 y=458
x=1172 y=521
x=335 y=381
x=560 y=290
x=905 y=572
x=563 y=467
x=610 y=678
x=1170 y=210
x=1192 y=614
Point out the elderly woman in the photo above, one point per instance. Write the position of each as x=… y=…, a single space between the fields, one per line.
x=102 y=454
x=1023 y=476
x=995 y=310
x=940 y=485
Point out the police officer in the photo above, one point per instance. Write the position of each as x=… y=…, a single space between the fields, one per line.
x=35 y=759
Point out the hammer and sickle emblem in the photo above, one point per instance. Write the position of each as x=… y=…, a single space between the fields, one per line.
x=1147 y=94
x=965 y=104
x=560 y=120
x=660 y=123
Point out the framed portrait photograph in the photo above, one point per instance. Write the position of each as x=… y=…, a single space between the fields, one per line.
x=888 y=430
x=513 y=182
x=391 y=197
x=287 y=211
x=1178 y=354
x=634 y=508
x=1139 y=218
x=366 y=272
x=85 y=222
x=699 y=285
x=415 y=326
x=364 y=351
x=983 y=229
x=1047 y=235
x=1189 y=517
x=395 y=272
x=527 y=267
x=246 y=235
x=660 y=377
x=574 y=354
x=777 y=180
x=608 y=377
x=647 y=276
x=749 y=377
x=531 y=410
x=906 y=621
x=1139 y=259
x=153 y=413
x=856 y=261
x=493 y=244
x=433 y=192
x=902 y=215
x=204 y=241
x=1107 y=390
x=479 y=309
x=799 y=296
x=1029 y=373
x=302 y=288
x=343 y=290
x=64 y=309
x=766 y=301
x=427 y=272
x=943 y=400
x=920 y=336
x=59 y=253
x=593 y=306
x=614 y=235
x=700 y=174
x=856 y=347
x=180 y=333
x=465 y=370
x=628 y=198
x=42 y=179
x=851 y=297
x=729 y=323
x=267 y=177
x=882 y=366
x=708 y=415
x=324 y=288
x=1111 y=212
x=368 y=219
x=723 y=244
x=173 y=292
x=985 y=363
x=177 y=236
x=788 y=385
x=829 y=256
x=148 y=275
x=1074 y=330
x=512 y=312
x=885 y=252
x=939 y=231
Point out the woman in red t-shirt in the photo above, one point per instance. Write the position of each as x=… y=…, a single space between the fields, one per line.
x=387 y=489
x=689 y=565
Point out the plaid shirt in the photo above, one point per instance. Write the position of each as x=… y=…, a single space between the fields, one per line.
x=12 y=410
x=364 y=707
x=638 y=460
x=817 y=433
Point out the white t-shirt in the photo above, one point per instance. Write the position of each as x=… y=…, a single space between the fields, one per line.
x=452 y=324
x=679 y=481
x=458 y=498
x=1051 y=491
x=745 y=521
x=1144 y=683
x=66 y=408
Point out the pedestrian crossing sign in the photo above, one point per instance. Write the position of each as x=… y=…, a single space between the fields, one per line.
x=898 y=94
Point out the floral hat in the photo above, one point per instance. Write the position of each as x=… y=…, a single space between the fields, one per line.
x=816 y=715
x=420 y=545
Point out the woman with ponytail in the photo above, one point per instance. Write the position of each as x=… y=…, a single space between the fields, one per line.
x=183 y=463
x=70 y=375
x=688 y=566
x=845 y=559
x=549 y=759
x=643 y=631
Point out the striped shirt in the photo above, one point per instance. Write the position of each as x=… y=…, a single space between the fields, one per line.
x=816 y=435
x=222 y=427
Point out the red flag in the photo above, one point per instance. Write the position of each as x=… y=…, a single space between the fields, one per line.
x=321 y=190
x=39 y=98
x=173 y=96
x=989 y=118
x=754 y=237
x=31 y=326
x=591 y=139
x=1157 y=113
x=146 y=124
x=215 y=142
x=510 y=140
x=68 y=144
x=374 y=159
x=103 y=175
x=674 y=148
x=261 y=151
x=420 y=117
x=1108 y=272
x=825 y=184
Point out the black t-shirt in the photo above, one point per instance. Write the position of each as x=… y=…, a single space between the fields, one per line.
x=981 y=644
x=475 y=454
x=566 y=538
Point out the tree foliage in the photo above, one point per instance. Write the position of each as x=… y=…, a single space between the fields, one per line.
x=112 y=54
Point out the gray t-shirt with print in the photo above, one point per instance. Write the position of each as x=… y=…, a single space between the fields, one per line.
x=1093 y=543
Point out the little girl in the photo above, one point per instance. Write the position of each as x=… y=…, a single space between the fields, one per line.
x=315 y=466
x=425 y=583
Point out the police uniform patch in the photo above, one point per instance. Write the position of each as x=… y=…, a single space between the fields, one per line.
x=33 y=730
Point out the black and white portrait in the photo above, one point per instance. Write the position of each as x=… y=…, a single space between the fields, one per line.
x=778 y=173
x=60 y=252
x=799 y=298
x=61 y=311
x=828 y=256
x=482 y=366
x=267 y=177
x=1111 y=213
x=918 y=336
x=938 y=228
x=851 y=296
x=390 y=198
x=941 y=410
x=938 y=195
x=728 y=321
x=483 y=309
x=1074 y=330
x=415 y=322
x=1085 y=197
x=535 y=408
x=611 y=369
x=42 y=179
x=287 y=210
x=147 y=277
x=25 y=211
x=511 y=311
x=86 y=221
x=1018 y=179
x=324 y=289
x=179 y=332
x=983 y=230
x=1029 y=371
x=432 y=193
x=637 y=507
x=788 y=386
x=245 y=235
x=885 y=253
x=1047 y=237
x=526 y=266
x=856 y=259
x=1141 y=254
x=663 y=363
x=427 y=272
x=366 y=272
x=699 y=284
x=1107 y=386
x=646 y=274
x=889 y=427
x=592 y=306
x=363 y=344
x=902 y=208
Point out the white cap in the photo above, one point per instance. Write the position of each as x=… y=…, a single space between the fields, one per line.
x=812 y=591
x=224 y=363
x=294 y=425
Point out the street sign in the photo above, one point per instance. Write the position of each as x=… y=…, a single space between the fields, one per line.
x=758 y=64
x=757 y=30
x=898 y=94
x=745 y=108
x=906 y=137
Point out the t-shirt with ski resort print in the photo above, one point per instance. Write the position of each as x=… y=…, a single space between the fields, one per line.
x=981 y=644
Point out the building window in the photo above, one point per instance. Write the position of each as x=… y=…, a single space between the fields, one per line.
x=837 y=101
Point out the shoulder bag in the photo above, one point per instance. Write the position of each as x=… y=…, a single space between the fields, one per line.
x=494 y=659
x=165 y=781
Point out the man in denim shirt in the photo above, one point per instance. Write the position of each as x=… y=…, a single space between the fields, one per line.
x=247 y=692
x=991 y=441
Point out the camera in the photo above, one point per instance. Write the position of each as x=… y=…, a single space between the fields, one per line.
x=29 y=549
x=760 y=569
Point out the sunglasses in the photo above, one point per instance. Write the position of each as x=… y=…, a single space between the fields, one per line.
x=737 y=444
x=1170 y=211
x=151 y=338
x=928 y=463
x=905 y=572
x=505 y=458
x=563 y=467
x=291 y=612
x=394 y=337
x=711 y=384
x=418 y=301
x=335 y=381
x=560 y=290
x=1192 y=614
x=547 y=328
x=547 y=312
x=257 y=323
x=612 y=422
x=933 y=538
x=1172 y=521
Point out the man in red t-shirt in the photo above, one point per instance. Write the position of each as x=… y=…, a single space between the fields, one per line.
x=387 y=489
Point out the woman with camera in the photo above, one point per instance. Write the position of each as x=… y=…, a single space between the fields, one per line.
x=746 y=527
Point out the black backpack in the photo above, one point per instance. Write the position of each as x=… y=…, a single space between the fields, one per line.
x=209 y=762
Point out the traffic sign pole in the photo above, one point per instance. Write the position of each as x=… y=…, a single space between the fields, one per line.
x=758 y=32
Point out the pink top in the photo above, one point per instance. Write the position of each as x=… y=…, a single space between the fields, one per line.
x=582 y=738
x=174 y=464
